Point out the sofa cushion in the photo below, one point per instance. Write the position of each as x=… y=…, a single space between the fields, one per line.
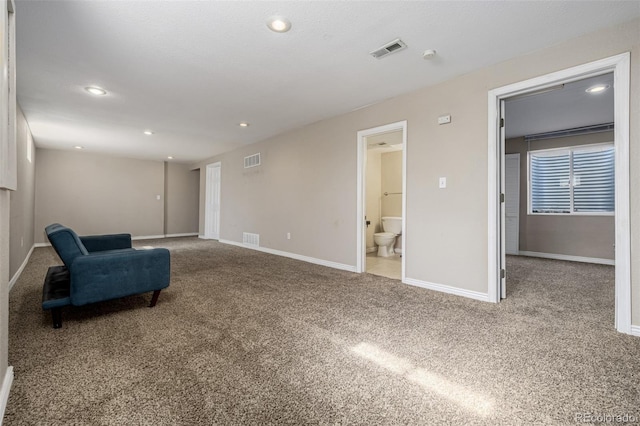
x=66 y=243
x=98 y=243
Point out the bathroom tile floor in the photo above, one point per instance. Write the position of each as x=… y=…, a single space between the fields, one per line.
x=390 y=267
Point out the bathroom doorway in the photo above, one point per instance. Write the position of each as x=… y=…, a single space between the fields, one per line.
x=382 y=200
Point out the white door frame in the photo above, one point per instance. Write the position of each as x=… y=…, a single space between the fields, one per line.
x=620 y=66
x=361 y=235
x=208 y=232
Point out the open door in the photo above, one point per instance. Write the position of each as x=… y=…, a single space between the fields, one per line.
x=512 y=202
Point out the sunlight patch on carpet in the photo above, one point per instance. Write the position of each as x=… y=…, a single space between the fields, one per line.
x=431 y=382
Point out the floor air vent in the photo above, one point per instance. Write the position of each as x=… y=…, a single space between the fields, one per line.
x=251 y=239
x=392 y=46
x=252 y=161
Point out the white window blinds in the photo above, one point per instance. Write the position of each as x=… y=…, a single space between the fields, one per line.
x=594 y=181
x=574 y=180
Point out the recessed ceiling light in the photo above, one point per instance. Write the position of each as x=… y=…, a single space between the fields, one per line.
x=170 y=157
x=148 y=132
x=95 y=90
x=78 y=147
x=243 y=124
x=598 y=88
x=279 y=24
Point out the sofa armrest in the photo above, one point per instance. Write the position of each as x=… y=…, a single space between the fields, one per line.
x=94 y=243
x=104 y=276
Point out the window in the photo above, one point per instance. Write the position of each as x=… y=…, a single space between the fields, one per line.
x=575 y=180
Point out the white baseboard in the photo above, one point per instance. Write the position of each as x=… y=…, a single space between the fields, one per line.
x=313 y=260
x=4 y=393
x=21 y=268
x=635 y=330
x=187 y=234
x=42 y=245
x=568 y=257
x=147 y=237
x=484 y=297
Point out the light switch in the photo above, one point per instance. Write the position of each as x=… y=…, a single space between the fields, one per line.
x=158 y=197
x=443 y=182
x=444 y=119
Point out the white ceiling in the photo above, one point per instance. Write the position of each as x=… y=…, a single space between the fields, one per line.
x=566 y=107
x=191 y=71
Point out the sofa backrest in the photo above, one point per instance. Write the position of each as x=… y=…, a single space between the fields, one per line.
x=66 y=243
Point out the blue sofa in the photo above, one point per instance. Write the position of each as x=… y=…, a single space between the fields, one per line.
x=99 y=268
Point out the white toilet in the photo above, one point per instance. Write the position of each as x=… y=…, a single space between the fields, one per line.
x=386 y=240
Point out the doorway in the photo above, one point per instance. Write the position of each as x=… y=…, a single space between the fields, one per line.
x=618 y=65
x=372 y=203
x=212 y=202
x=383 y=201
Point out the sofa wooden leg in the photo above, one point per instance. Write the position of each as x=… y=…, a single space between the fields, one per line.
x=56 y=315
x=154 y=299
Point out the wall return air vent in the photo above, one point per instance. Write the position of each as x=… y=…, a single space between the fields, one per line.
x=252 y=161
x=392 y=46
x=250 y=239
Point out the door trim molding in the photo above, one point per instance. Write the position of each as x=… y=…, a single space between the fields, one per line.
x=5 y=390
x=361 y=236
x=620 y=66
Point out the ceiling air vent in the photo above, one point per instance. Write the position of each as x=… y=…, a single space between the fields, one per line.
x=392 y=46
x=252 y=161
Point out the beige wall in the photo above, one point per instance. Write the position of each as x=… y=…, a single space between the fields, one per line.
x=303 y=186
x=23 y=199
x=307 y=184
x=586 y=236
x=392 y=183
x=374 y=191
x=98 y=194
x=182 y=191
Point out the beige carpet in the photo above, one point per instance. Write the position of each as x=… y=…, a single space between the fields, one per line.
x=243 y=337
